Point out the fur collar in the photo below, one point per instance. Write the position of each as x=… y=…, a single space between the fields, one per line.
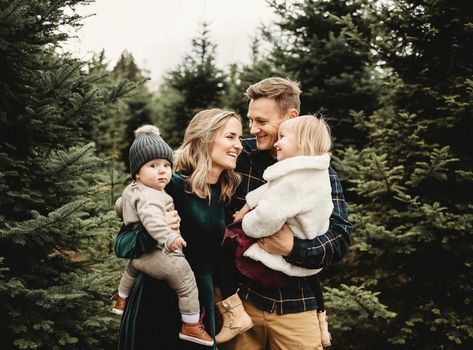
x=292 y=164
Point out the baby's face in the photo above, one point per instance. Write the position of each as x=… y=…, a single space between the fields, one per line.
x=286 y=146
x=155 y=174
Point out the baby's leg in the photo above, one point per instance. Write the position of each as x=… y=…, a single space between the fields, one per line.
x=181 y=278
x=124 y=288
x=127 y=281
x=175 y=270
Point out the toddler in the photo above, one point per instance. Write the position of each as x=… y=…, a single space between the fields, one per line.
x=144 y=200
x=298 y=193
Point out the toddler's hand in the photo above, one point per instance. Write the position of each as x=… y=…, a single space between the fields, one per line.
x=238 y=216
x=178 y=243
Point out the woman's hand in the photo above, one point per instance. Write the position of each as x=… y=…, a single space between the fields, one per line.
x=280 y=243
x=172 y=216
x=238 y=216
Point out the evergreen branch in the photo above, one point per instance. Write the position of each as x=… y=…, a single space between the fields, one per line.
x=85 y=99
x=14 y=6
x=381 y=170
x=73 y=159
x=27 y=227
x=351 y=31
x=59 y=78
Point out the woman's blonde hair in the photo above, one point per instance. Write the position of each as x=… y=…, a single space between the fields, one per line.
x=312 y=133
x=193 y=156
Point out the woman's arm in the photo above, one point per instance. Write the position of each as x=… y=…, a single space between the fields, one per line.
x=133 y=241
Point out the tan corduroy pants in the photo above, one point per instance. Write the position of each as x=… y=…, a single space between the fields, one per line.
x=173 y=268
x=297 y=331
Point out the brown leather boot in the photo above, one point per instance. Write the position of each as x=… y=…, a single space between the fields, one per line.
x=119 y=306
x=325 y=335
x=235 y=319
x=195 y=332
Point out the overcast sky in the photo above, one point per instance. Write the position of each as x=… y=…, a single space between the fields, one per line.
x=159 y=32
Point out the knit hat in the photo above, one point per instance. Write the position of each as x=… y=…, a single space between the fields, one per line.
x=148 y=145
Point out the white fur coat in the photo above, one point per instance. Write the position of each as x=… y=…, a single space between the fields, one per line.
x=298 y=192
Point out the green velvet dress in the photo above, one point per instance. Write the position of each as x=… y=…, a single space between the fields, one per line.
x=152 y=319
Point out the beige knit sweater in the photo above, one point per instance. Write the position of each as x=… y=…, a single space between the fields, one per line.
x=140 y=203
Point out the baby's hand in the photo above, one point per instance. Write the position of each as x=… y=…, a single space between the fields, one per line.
x=178 y=243
x=238 y=216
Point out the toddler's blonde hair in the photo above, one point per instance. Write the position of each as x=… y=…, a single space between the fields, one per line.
x=312 y=134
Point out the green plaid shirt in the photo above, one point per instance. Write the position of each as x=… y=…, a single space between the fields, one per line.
x=316 y=253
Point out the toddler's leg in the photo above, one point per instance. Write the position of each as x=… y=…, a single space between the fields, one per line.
x=175 y=270
x=124 y=288
x=182 y=280
x=127 y=281
x=316 y=287
x=227 y=273
x=235 y=318
x=325 y=335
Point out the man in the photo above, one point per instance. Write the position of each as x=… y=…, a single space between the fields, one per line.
x=283 y=318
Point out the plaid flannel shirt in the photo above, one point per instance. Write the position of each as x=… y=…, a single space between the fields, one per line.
x=315 y=253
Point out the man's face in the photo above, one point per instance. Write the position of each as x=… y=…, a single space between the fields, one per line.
x=264 y=117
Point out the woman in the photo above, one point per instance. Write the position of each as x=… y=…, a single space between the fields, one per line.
x=203 y=182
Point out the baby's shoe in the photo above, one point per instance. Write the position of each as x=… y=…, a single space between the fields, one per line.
x=119 y=307
x=195 y=332
x=325 y=335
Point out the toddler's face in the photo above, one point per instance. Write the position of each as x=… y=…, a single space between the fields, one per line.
x=155 y=174
x=286 y=146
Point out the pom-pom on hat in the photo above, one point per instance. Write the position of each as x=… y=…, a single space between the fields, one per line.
x=148 y=145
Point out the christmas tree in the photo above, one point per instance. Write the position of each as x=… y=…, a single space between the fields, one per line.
x=412 y=184
x=52 y=248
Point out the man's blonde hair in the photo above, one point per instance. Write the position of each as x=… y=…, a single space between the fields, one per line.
x=312 y=134
x=285 y=92
x=193 y=156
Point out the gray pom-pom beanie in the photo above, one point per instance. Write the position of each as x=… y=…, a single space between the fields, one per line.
x=148 y=145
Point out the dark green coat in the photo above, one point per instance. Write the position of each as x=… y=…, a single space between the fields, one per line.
x=152 y=319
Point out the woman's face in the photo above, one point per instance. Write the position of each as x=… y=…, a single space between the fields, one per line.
x=227 y=145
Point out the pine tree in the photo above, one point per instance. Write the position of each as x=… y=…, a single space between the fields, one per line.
x=53 y=253
x=196 y=84
x=412 y=181
x=335 y=72
x=242 y=76
x=115 y=133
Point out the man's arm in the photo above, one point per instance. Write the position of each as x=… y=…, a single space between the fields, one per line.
x=322 y=250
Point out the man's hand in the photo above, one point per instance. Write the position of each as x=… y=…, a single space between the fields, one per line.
x=178 y=243
x=279 y=243
x=172 y=216
x=238 y=216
